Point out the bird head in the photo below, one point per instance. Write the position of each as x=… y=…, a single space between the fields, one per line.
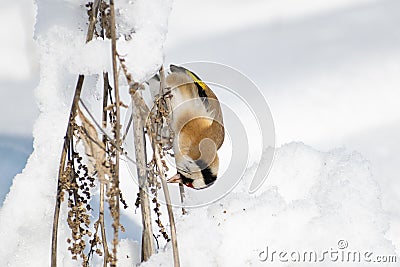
x=197 y=174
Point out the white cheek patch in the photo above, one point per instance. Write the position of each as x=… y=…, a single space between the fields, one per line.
x=189 y=167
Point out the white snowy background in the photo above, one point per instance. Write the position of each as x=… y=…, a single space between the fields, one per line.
x=330 y=72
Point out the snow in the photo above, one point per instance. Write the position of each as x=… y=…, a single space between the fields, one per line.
x=336 y=199
x=66 y=36
x=125 y=249
x=329 y=72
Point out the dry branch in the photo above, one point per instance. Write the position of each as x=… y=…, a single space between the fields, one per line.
x=162 y=92
x=139 y=118
x=92 y=20
x=182 y=194
x=115 y=192
x=67 y=140
x=157 y=153
x=174 y=240
x=102 y=189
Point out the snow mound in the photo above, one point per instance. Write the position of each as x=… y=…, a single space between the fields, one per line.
x=312 y=201
x=128 y=253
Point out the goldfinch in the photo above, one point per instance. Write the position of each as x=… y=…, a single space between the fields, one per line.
x=198 y=126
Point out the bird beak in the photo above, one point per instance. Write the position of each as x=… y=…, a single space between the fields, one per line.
x=175 y=179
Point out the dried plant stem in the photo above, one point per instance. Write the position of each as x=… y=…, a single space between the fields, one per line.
x=67 y=141
x=164 y=182
x=92 y=20
x=117 y=130
x=102 y=226
x=169 y=206
x=102 y=189
x=141 y=166
x=169 y=107
x=182 y=193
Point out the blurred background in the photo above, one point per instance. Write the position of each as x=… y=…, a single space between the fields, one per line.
x=19 y=75
x=330 y=71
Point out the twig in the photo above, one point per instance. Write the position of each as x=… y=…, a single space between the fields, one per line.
x=98 y=125
x=127 y=127
x=164 y=182
x=92 y=20
x=67 y=140
x=139 y=115
x=182 y=193
x=169 y=206
x=140 y=152
x=113 y=144
x=117 y=129
x=169 y=107
x=101 y=209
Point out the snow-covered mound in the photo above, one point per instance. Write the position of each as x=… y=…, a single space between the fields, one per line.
x=311 y=201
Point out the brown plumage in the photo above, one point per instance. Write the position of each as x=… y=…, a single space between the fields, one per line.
x=198 y=125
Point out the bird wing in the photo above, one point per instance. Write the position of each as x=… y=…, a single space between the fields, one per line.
x=214 y=121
